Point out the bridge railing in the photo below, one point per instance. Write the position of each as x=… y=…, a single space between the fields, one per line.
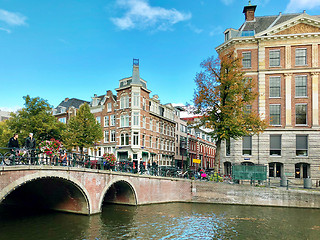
x=22 y=156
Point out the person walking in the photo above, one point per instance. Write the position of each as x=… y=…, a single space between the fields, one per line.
x=13 y=142
x=30 y=145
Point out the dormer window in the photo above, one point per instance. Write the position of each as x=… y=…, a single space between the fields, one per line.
x=247 y=33
x=227 y=36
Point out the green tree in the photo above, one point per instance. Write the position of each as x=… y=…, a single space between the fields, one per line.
x=35 y=117
x=82 y=130
x=222 y=96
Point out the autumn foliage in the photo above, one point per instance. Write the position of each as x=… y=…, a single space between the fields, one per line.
x=222 y=97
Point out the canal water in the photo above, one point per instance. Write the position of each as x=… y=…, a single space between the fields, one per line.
x=163 y=221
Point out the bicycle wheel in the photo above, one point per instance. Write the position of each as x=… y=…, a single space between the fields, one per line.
x=7 y=159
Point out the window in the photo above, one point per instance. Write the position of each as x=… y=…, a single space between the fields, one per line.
x=136 y=118
x=124 y=102
x=226 y=36
x=301 y=86
x=275 y=145
x=106 y=136
x=144 y=122
x=301 y=114
x=124 y=139
x=151 y=127
x=301 y=145
x=136 y=99
x=143 y=103
x=302 y=170
x=109 y=107
x=106 y=121
x=247 y=33
x=301 y=56
x=63 y=120
x=228 y=147
x=274 y=87
x=113 y=120
x=275 y=114
x=113 y=136
x=135 y=138
x=98 y=119
x=124 y=121
x=248 y=109
x=275 y=169
x=150 y=141
x=274 y=58
x=246 y=60
x=143 y=140
x=247 y=145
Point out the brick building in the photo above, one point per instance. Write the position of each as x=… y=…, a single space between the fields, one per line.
x=200 y=145
x=67 y=108
x=281 y=54
x=136 y=127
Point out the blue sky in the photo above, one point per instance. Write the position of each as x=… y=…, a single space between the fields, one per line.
x=56 y=48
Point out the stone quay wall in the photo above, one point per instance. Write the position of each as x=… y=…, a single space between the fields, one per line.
x=225 y=193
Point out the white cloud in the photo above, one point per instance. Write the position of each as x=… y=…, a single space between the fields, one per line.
x=13 y=19
x=140 y=14
x=4 y=29
x=299 y=5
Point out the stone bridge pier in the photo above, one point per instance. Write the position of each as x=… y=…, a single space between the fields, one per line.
x=84 y=191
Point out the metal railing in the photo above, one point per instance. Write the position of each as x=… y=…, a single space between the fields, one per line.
x=13 y=157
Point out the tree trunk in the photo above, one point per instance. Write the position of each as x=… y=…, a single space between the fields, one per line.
x=217 y=156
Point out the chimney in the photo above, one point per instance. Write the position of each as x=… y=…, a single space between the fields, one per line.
x=135 y=72
x=249 y=12
x=66 y=99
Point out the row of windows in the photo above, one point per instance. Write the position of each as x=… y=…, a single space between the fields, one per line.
x=300 y=114
x=300 y=86
x=274 y=58
x=275 y=145
x=157 y=144
x=125 y=122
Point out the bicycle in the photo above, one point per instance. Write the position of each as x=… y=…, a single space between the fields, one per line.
x=17 y=157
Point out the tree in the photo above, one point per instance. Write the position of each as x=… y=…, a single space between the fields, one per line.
x=82 y=130
x=35 y=117
x=222 y=95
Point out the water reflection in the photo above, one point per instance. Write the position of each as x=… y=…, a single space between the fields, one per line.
x=164 y=221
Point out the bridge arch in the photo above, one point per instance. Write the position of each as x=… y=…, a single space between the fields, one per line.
x=120 y=191
x=78 y=198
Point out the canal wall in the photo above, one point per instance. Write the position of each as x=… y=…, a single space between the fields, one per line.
x=225 y=193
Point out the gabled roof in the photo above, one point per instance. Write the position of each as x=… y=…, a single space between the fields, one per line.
x=72 y=102
x=263 y=23
x=273 y=26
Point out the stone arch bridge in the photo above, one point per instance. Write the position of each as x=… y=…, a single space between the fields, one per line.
x=84 y=191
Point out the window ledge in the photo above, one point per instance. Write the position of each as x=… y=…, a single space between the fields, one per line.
x=301 y=97
x=275 y=66
x=275 y=97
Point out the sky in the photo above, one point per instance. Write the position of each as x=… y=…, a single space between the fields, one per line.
x=56 y=49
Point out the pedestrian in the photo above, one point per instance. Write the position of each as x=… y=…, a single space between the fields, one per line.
x=30 y=142
x=13 y=142
x=30 y=145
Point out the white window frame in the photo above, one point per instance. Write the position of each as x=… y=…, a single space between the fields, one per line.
x=247 y=62
x=305 y=57
x=273 y=79
x=277 y=59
